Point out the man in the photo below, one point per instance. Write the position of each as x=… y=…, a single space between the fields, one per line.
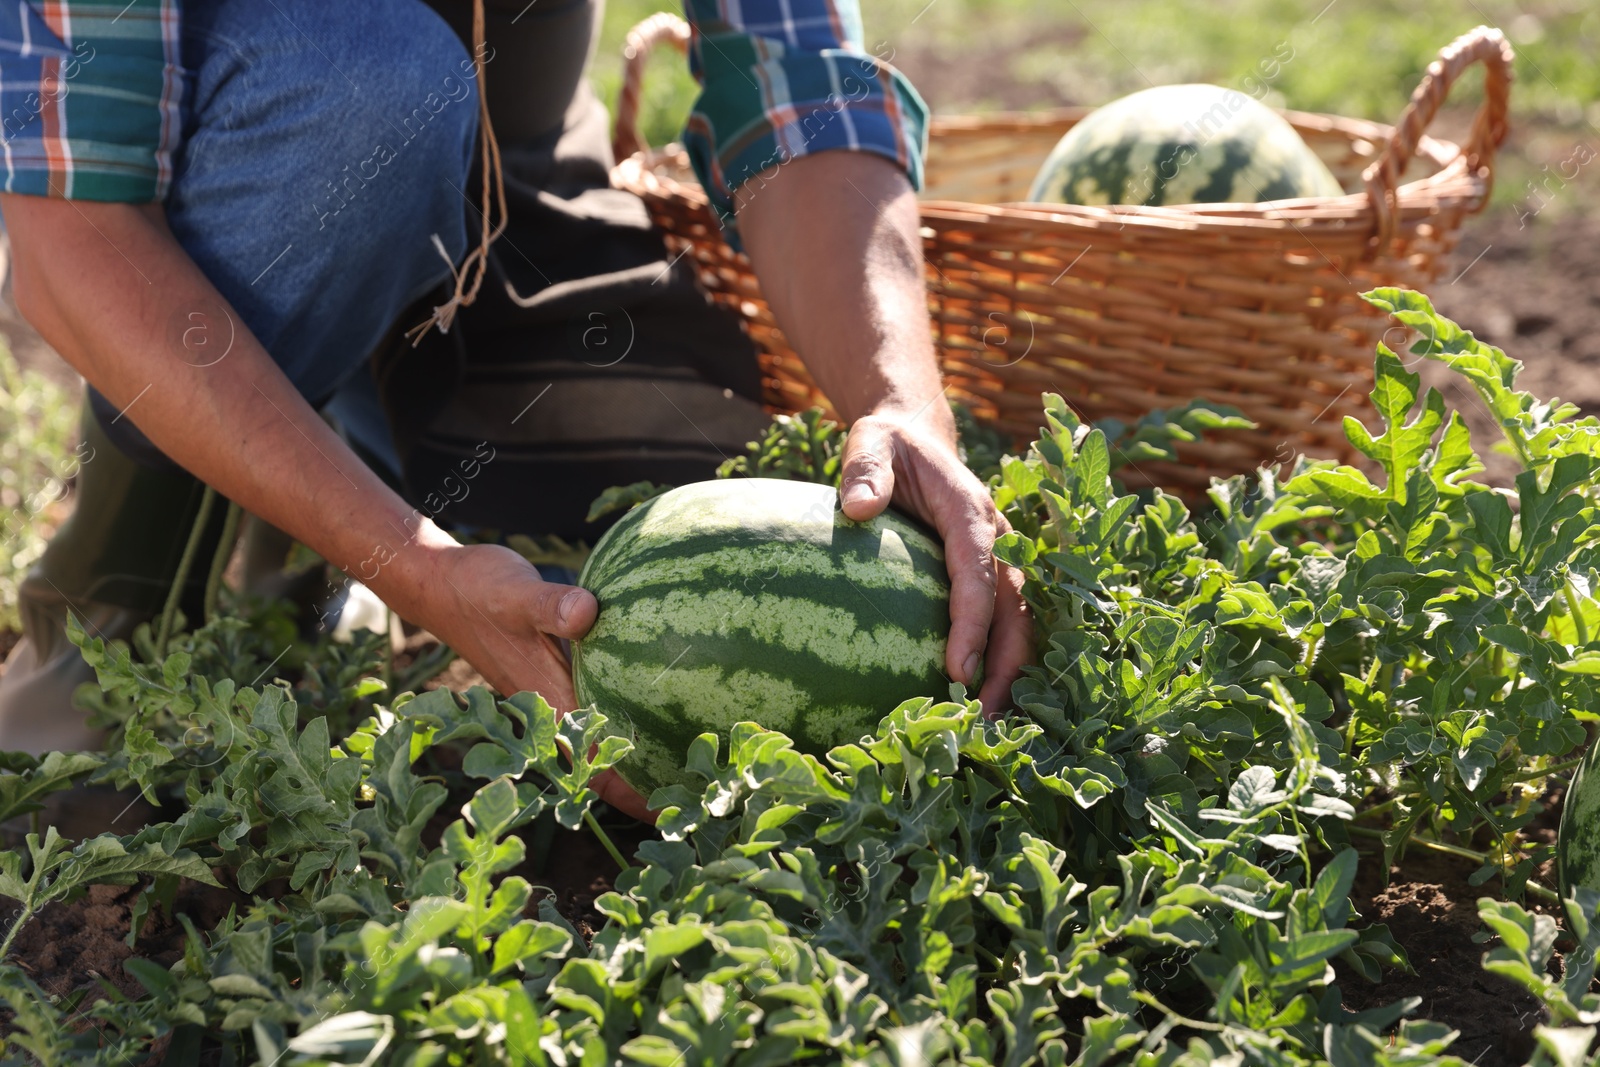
x=220 y=208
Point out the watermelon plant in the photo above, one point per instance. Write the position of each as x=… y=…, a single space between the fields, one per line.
x=1150 y=863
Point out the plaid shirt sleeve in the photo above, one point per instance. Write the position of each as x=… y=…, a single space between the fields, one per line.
x=787 y=78
x=89 y=97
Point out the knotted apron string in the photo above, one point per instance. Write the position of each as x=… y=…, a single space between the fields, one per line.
x=477 y=260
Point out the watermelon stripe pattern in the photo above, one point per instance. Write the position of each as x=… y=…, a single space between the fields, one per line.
x=1182 y=144
x=756 y=600
x=1578 y=840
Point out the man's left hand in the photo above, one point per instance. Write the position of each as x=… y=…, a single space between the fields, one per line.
x=894 y=459
x=835 y=238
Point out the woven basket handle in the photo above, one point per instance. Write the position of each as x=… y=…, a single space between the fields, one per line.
x=1482 y=45
x=626 y=139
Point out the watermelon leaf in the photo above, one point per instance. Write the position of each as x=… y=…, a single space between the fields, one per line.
x=1234 y=706
x=1401 y=445
x=623 y=497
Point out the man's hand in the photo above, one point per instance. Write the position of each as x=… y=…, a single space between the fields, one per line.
x=835 y=240
x=890 y=460
x=493 y=608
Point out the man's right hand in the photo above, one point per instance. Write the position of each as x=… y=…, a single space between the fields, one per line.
x=492 y=607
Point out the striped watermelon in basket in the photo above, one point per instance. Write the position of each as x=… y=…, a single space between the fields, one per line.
x=756 y=600
x=1182 y=144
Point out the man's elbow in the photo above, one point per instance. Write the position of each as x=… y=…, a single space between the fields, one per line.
x=52 y=239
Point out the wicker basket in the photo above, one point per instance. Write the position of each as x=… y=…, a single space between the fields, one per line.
x=1126 y=309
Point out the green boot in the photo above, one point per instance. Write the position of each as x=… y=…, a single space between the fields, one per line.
x=112 y=564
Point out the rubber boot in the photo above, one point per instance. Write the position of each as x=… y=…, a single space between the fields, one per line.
x=263 y=556
x=112 y=564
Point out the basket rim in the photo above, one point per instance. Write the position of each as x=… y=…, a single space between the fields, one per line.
x=1070 y=114
x=1423 y=198
x=1416 y=199
x=1451 y=181
x=1437 y=151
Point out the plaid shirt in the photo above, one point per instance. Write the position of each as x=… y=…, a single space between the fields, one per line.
x=90 y=93
x=782 y=79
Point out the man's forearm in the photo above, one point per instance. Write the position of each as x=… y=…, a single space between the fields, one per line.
x=112 y=290
x=107 y=283
x=834 y=238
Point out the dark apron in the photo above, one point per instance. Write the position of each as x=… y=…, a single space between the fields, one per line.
x=609 y=366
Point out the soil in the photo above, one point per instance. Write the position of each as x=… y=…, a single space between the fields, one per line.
x=73 y=946
x=577 y=870
x=1535 y=292
x=1430 y=909
x=69 y=946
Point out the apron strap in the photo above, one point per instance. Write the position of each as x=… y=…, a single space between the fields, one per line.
x=494 y=193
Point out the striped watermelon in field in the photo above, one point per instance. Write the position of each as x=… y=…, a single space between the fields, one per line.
x=1182 y=144
x=757 y=600
x=1578 y=841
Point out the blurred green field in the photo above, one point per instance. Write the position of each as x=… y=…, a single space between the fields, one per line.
x=1359 y=58
x=37 y=419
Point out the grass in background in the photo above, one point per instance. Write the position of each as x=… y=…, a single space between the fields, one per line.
x=669 y=91
x=1359 y=58
x=37 y=420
